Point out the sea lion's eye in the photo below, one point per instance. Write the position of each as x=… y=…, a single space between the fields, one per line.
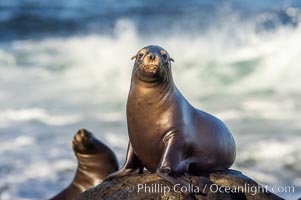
x=140 y=55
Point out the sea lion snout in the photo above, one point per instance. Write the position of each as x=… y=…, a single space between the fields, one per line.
x=151 y=63
x=152 y=56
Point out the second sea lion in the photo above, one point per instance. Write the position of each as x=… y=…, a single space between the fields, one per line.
x=95 y=162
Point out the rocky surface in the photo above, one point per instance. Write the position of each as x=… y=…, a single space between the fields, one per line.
x=214 y=185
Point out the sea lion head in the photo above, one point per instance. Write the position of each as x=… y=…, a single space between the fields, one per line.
x=152 y=61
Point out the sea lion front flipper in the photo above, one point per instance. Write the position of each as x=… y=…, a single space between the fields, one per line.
x=172 y=168
x=132 y=165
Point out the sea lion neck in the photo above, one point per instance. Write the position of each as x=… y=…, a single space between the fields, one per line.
x=148 y=81
x=151 y=82
x=155 y=91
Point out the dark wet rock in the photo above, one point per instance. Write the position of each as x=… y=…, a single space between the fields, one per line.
x=211 y=186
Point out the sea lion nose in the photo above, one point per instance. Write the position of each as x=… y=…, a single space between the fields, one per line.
x=152 y=56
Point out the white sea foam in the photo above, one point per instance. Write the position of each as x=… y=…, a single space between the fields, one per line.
x=10 y=116
x=273 y=162
x=103 y=61
x=230 y=114
x=16 y=143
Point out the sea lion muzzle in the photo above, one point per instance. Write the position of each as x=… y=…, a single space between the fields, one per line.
x=150 y=63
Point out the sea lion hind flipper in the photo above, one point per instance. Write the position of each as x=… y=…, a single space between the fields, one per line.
x=131 y=166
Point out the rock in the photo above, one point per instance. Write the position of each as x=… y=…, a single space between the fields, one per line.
x=222 y=185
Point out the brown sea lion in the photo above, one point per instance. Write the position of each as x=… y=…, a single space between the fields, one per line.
x=167 y=134
x=95 y=162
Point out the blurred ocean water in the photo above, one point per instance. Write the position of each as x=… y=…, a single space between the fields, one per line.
x=65 y=65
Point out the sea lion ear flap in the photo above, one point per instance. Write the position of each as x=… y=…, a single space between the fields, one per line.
x=133 y=57
x=171 y=59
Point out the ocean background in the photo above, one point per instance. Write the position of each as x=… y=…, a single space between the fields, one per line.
x=65 y=65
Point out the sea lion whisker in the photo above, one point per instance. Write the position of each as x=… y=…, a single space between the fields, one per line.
x=162 y=73
x=166 y=74
x=135 y=71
